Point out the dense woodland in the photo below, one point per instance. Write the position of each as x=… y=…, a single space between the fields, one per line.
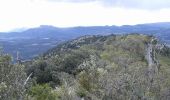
x=113 y=67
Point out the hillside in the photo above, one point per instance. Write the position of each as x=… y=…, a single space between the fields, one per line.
x=113 y=67
x=35 y=41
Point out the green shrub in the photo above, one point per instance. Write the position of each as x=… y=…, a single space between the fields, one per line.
x=42 y=92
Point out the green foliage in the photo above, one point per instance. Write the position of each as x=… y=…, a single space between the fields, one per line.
x=42 y=72
x=42 y=92
x=12 y=79
x=103 y=68
x=165 y=51
x=84 y=80
x=81 y=92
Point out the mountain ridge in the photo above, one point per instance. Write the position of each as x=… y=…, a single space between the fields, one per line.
x=105 y=68
x=46 y=36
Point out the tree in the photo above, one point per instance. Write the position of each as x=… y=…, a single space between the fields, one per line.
x=12 y=79
x=42 y=92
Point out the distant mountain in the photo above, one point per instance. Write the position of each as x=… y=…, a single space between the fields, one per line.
x=35 y=41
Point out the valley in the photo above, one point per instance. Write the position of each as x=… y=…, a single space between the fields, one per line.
x=35 y=41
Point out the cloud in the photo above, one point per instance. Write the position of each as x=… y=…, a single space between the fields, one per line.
x=32 y=13
x=140 y=4
x=76 y=1
x=137 y=4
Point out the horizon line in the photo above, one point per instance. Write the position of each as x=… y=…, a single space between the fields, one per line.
x=21 y=29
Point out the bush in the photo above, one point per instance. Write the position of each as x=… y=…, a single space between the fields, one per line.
x=42 y=92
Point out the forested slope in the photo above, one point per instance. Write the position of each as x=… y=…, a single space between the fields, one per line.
x=114 y=67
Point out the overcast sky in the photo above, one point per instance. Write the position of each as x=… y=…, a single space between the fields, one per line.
x=68 y=13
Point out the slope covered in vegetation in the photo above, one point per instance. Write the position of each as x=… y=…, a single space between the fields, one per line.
x=114 y=67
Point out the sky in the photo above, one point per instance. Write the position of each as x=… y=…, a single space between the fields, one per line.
x=69 y=13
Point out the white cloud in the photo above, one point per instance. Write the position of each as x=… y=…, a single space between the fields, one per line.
x=31 y=13
x=140 y=4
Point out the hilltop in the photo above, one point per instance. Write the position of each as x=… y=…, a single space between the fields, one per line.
x=121 y=67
